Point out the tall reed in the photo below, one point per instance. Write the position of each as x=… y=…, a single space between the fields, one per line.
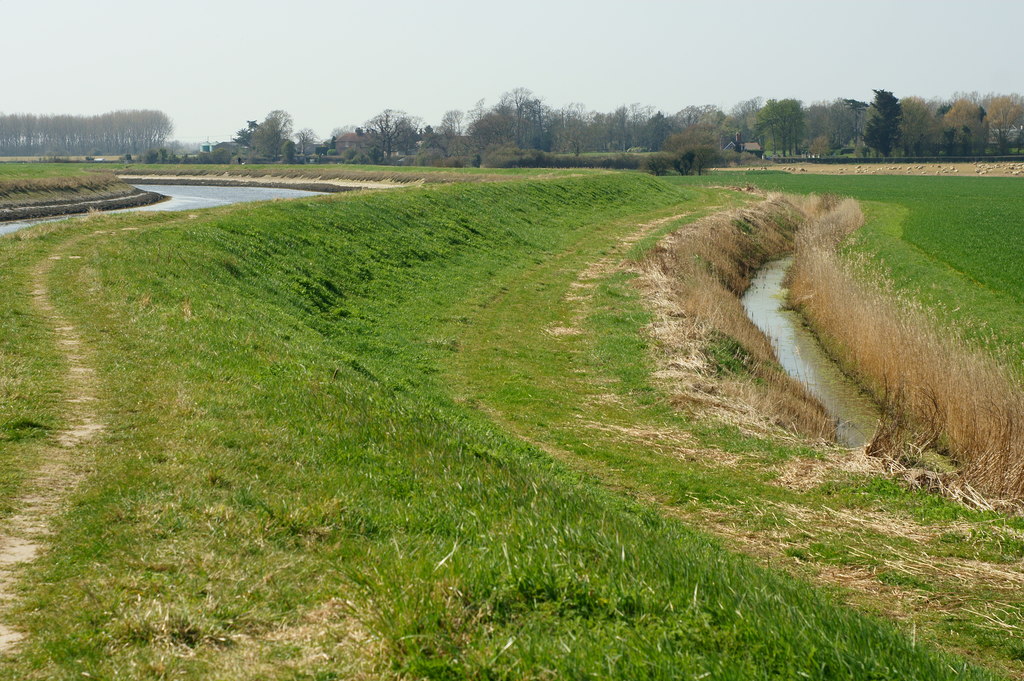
x=937 y=392
x=13 y=190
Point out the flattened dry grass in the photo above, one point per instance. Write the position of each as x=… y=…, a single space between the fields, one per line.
x=713 y=357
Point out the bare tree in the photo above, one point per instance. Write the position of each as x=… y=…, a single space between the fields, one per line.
x=1005 y=115
x=449 y=138
x=919 y=128
x=529 y=118
x=572 y=128
x=117 y=132
x=965 y=126
x=391 y=129
x=707 y=114
x=306 y=141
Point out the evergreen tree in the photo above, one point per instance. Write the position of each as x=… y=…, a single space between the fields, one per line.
x=882 y=131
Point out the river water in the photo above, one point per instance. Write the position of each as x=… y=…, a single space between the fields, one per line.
x=801 y=356
x=185 y=197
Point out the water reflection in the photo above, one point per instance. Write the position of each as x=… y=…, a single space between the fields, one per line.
x=185 y=197
x=802 y=358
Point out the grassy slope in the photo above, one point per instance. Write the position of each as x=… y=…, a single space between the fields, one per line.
x=30 y=368
x=283 y=457
x=587 y=398
x=357 y=172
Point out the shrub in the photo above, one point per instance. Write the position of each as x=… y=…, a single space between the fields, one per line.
x=658 y=164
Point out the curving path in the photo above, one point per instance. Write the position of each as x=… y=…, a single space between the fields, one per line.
x=22 y=535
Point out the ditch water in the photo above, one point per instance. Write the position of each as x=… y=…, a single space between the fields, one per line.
x=185 y=197
x=800 y=355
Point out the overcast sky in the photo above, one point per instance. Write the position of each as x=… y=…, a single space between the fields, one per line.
x=213 y=64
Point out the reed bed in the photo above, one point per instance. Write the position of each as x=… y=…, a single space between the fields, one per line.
x=21 y=188
x=715 y=356
x=937 y=393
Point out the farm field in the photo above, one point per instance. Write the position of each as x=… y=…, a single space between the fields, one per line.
x=977 y=169
x=416 y=434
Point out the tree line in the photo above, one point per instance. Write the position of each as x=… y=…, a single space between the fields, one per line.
x=113 y=133
x=520 y=128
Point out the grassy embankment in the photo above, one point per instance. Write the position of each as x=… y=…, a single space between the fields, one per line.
x=359 y=173
x=286 y=489
x=588 y=390
x=20 y=189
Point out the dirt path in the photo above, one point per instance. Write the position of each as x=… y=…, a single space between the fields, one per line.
x=22 y=537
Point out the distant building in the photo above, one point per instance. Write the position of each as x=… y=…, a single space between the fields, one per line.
x=749 y=147
x=351 y=140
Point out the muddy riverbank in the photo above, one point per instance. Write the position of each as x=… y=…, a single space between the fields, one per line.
x=130 y=197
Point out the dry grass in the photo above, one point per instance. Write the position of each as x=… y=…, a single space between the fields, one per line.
x=328 y=636
x=977 y=169
x=15 y=190
x=937 y=394
x=693 y=279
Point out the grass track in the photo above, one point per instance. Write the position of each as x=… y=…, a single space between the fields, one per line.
x=218 y=526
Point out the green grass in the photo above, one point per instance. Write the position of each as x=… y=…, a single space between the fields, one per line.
x=30 y=365
x=18 y=171
x=284 y=451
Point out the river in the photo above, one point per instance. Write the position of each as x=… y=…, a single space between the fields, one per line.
x=802 y=357
x=185 y=197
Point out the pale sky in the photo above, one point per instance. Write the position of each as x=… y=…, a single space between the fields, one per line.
x=213 y=64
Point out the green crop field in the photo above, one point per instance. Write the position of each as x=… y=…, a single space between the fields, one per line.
x=21 y=171
x=342 y=441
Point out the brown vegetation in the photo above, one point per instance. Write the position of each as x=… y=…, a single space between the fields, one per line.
x=976 y=169
x=938 y=395
x=713 y=357
x=14 y=191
